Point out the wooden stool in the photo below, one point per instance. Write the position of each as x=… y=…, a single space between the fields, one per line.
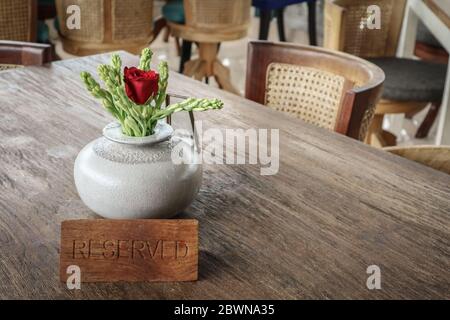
x=208 y=23
x=208 y=65
x=378 y=137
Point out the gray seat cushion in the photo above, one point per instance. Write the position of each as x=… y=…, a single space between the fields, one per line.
x=412 y=80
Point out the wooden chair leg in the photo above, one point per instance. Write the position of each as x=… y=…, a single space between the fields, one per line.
x=222 y=76
x=280 y=24
x=428 y=121
x=312 y=23
x=378 y=137
x=389 y=139
x=208 y=65
x=166 y=34
x=374 y=128
x=201 y=72
x=264 y=24
x=159 y=25
x=191 y=67
x=178 y=46
x=208 y=53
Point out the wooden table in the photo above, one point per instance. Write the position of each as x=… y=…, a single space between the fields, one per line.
x=335 y=207
x=435 y=15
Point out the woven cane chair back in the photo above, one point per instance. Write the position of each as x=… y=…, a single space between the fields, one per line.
x=107 y=25
x=4 y=66
x=329 y=89
x=310 y=94
x=18 y=20
x=349 y=26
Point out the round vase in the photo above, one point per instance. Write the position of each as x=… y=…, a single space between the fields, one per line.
x=121 y=177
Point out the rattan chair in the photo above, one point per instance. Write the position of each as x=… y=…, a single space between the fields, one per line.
x=436 y=157
x=18 y=20
x=107 y=25
x=330 y=89
x=410 y=84
x=209 y=23
x=17 y=54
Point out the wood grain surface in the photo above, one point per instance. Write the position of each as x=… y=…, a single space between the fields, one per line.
x=130 y=250
x=335 y=207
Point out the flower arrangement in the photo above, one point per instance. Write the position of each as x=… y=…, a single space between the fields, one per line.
x=135 y=97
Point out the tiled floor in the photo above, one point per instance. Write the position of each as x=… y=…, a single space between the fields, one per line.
x=233 y=54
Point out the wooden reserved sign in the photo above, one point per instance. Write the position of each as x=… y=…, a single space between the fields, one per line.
x=130 y=250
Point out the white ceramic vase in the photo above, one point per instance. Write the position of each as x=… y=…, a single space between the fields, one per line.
x=121 y=177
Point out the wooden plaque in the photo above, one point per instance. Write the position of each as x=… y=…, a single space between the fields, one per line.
x=130 y=250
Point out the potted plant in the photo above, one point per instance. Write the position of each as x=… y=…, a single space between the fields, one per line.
x=129 y=173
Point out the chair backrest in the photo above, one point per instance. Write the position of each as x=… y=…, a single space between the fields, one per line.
x=18 y=20
x=436 y=157
x=14 y=54
x=107 y=25
x=224 y=16
x=343 y=30
x=327 y=88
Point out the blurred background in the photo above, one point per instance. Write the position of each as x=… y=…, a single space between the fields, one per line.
x=193 y=34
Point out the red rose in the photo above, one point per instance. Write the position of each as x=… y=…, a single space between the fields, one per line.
x=140 y=85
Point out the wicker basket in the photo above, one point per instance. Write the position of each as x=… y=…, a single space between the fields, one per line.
x=18 y=20
x=107 y=25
